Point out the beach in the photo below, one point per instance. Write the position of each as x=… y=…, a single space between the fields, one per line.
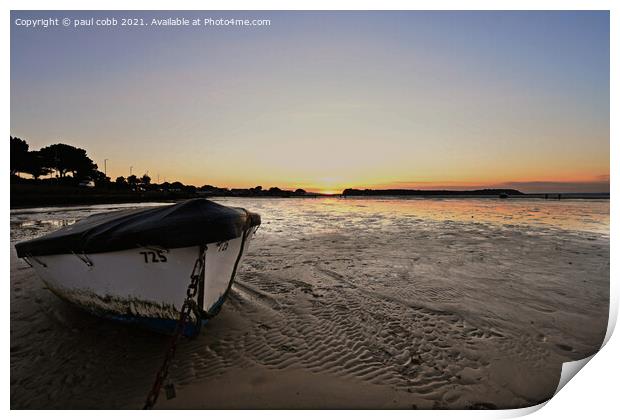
x=344 y=303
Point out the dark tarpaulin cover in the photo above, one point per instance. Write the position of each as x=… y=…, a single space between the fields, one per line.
x=193 y=222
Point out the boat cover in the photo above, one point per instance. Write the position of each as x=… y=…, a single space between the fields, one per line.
x=193 y=222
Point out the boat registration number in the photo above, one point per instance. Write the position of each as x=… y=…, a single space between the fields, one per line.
x=154 y=256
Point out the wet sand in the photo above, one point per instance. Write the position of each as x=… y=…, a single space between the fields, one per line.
x=345 y=304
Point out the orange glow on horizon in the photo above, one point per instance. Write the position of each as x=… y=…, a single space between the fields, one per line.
x=341 y=178
x=337 y=188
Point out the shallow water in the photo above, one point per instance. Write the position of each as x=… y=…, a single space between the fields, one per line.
x=291 y=216
x=444 y=303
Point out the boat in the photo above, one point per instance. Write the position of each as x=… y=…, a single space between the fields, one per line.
x=135 y=265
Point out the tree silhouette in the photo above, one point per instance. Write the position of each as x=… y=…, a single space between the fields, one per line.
x=145 y=180
x=176 y=185
x=100 y=178
x=34 y=165
x=132 y=180
x=19 y=155
x=65 y=158
x=121 y=183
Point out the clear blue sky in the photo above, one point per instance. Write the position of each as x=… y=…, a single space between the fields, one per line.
x=326 y=100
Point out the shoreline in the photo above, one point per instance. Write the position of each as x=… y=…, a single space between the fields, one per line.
x=80 y=201
x=38 y=195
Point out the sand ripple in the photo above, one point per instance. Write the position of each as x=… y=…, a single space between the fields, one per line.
x=394 y=310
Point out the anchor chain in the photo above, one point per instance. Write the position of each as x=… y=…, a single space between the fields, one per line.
x=189 y=307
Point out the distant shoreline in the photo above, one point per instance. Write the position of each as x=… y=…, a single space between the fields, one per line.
x=29 y=196
x=482 y=193
x=36 y=195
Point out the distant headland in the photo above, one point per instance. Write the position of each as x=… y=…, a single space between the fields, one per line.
x=400 y=192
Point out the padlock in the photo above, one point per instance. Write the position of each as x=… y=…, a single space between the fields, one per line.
x=170 y=391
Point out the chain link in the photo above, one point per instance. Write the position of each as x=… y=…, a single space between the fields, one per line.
x=189 y=306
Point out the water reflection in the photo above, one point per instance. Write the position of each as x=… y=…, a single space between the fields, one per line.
x=293 y=217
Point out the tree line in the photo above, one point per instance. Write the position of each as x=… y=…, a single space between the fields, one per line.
x=70 y=165
x=59 y=159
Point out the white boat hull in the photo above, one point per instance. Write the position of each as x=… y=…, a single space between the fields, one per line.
x=142 y=284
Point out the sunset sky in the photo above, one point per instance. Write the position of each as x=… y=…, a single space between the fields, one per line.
x=327 y=100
